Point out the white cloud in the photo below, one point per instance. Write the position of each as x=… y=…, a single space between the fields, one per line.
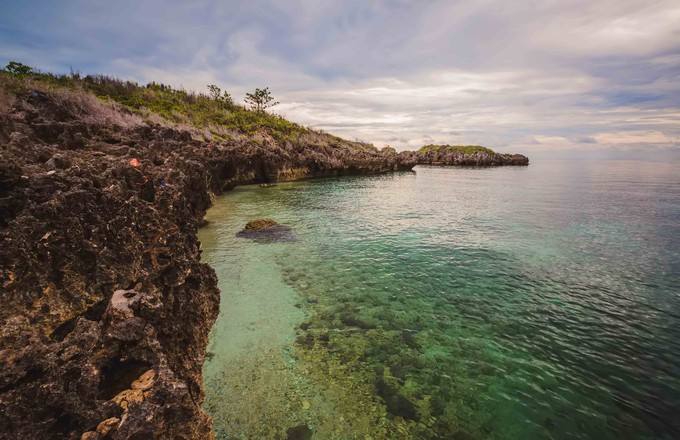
x=520 y=75
x=551 y=140
x=636 y=137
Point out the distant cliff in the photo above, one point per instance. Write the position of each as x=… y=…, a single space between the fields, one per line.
x=460 y=155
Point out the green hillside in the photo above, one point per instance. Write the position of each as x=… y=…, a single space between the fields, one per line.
x=216 y=113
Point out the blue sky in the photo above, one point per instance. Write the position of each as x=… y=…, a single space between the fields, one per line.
x=527 y=76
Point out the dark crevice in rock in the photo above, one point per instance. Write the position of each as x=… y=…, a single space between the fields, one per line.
x=32 y=374
x=60 y=333
x=71 y=378
x=96 y=311
x=93 y=313
x=117 y=375
x=67 y=423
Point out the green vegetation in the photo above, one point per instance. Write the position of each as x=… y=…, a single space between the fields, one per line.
x=222 y=97
x=260 y=100
x=449 y=149
x=16 y=68
x=214 y=111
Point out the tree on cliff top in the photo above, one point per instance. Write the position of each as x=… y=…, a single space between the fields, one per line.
x=17 y=68
x=216 y=94
x=260 y=100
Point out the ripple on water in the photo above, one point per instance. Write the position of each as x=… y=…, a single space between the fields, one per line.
x=507 y=303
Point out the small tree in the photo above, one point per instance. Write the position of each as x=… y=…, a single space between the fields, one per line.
x=216 y=94
x=260 y=100
x=17 y=68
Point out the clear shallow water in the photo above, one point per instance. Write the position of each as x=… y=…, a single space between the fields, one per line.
x=537 y=302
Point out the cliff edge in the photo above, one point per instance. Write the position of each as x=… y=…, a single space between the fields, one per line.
x=106 y=307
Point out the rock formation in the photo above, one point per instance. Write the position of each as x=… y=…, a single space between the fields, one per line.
x=450 y=155
x=100 y=267
x=266 y=230
x=260 y=224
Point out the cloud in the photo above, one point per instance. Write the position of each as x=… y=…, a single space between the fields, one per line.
x=636 y=137
x=551 y=140
x=550 y=75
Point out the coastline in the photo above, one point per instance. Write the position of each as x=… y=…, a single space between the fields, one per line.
x=406 y=288
x=101 y=273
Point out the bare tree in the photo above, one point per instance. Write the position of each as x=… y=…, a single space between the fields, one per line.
x=260 y=100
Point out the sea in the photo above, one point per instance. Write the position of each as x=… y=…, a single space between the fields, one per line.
x=538 y=302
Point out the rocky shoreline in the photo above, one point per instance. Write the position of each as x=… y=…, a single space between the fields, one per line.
x=106 y=307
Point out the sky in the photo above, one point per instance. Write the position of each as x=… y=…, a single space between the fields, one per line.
x=536 y=77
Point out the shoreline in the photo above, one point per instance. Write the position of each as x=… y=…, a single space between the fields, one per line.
x=103 y=284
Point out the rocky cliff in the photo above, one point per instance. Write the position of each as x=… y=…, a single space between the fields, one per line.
x=460 y=155
x=106 y=307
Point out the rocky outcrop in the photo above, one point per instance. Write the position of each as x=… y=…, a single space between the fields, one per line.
x=454 y=156
x=105 y=305
x=266 y=230
x=260 y=224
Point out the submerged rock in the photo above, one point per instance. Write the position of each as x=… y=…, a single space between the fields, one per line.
x=300 y=432
x=266 y=230
x=397 y=404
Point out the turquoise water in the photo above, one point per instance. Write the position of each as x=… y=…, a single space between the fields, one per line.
x=507 y=303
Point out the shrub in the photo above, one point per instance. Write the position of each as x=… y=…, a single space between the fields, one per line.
x=17 y=68
x=260 y=100
x=217 y=95
x=214 y=111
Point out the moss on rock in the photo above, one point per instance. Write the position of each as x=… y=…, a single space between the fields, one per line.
x=260 y=224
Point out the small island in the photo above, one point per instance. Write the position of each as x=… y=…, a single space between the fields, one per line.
x=462 y=155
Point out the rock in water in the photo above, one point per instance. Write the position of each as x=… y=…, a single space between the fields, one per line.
x=260 y=224
x=266 y=230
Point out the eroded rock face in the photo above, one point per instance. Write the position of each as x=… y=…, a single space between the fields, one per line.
x=105 y=307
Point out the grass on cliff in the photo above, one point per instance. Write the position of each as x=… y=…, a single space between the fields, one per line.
x=462 y=149
x=175 y=105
